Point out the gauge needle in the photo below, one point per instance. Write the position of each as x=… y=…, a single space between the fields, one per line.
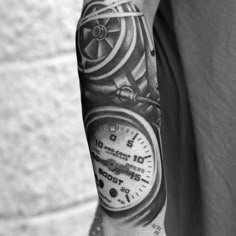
x=113 y=165
x=118 y=168
x=97 y=158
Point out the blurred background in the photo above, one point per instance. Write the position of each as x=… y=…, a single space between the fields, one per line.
x=46 y=180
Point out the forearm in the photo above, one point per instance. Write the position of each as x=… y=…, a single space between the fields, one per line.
x=120 y=98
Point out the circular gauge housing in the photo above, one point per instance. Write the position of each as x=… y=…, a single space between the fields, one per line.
x=126 y=157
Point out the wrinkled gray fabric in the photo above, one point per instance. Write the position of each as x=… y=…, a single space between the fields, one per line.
x=196 y=47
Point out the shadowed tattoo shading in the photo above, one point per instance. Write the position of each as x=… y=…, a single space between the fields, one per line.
x=120 y=97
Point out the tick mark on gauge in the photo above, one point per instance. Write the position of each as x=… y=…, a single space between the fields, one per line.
x=133 y=196
x=137 y=194
x=127 y=197
x=147 y=151
x=142 y=142
x=139 y=139
x=127 y=131
x=135 y=136
x=144 y=186
x=140 y=190
x=147 y=156
x=145 y=181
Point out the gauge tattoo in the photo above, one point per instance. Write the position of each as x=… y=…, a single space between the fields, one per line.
x=121 y=107
x=125 y=153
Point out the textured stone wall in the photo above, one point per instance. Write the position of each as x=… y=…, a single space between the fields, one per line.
x=46 y=180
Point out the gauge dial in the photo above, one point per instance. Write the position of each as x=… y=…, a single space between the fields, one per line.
x=125 y=156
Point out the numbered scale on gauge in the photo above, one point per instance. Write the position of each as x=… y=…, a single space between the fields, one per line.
x=126 y=157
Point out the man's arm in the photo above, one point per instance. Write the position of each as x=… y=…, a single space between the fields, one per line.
x=122 y=117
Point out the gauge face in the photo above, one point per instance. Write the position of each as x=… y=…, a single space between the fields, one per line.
x=124 y=160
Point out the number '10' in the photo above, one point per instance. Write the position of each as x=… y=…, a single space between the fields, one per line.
x=99 y=144
x=139 y=159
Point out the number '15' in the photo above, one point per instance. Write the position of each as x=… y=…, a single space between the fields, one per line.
x=135 y=176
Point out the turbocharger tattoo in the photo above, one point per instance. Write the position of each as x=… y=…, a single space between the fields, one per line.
x=116 y=58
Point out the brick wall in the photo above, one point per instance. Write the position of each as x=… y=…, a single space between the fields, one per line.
x=46 y=180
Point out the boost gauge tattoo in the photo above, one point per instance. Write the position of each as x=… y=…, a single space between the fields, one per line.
x=126 y=158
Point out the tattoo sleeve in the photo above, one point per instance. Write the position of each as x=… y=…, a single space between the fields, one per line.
x=122 y=117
